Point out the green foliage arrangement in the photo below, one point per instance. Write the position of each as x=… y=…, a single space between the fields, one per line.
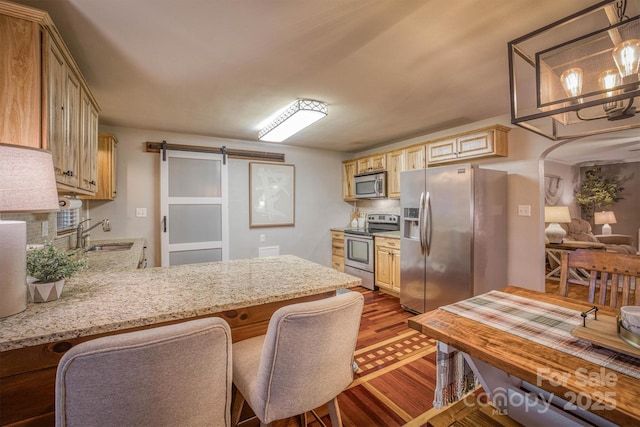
x=597 y=192
x=48 y=264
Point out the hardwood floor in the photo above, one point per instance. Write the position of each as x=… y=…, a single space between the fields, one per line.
x=395 y=381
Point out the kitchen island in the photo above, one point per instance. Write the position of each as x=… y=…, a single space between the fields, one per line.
x=96 y=303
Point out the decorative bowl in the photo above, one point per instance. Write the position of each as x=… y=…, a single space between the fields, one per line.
x=630 y=318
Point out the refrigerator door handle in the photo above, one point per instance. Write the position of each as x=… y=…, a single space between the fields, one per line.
x=427 y=228
x=421 y=223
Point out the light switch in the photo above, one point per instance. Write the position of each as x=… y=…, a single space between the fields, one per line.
x=141 y=212
x=524 y=210
x=263 y=238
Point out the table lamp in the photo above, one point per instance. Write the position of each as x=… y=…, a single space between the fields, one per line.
x=27 y=184
x=605 y=218
x=554 y=215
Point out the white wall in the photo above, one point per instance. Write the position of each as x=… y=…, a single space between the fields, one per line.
x=318 y=196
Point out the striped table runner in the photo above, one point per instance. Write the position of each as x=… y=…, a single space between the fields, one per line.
x=543 y=323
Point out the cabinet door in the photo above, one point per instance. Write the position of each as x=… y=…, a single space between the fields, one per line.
x=56 y=76
x=442 y=150
x=363 y=165
x=395 y=165
x=88 y=144
x=20 y=65
x=72 y=128
x=396 y=270
x=414 y=158
x=476 y=144
x=378 y=162
x=106 y=168
x=384 y=269
x=348 y=171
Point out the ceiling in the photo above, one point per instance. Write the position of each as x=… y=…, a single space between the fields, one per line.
x=389 y=70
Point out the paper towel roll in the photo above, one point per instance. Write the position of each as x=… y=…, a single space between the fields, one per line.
x=67 y=203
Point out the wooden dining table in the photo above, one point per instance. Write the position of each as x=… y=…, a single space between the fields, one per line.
x=513 y=368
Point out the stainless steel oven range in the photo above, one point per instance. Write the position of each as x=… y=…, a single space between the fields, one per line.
x=358 y=247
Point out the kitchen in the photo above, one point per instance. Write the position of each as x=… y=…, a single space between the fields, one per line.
x=319 y=202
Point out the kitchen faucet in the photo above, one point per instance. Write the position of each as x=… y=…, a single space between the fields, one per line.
x=82 y=234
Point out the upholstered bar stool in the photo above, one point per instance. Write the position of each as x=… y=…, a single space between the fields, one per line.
x=176 y=375
x=304 y=361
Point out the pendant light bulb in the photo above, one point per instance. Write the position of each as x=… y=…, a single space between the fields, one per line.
x=627 y=58
x=572 y=81
x=608 y=80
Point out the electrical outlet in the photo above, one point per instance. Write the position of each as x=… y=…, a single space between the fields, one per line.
x=263 y=238
x=524 y=210
x=141 y=212
x=45 y=228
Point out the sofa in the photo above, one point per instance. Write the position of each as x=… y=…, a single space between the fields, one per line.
x=579 y=230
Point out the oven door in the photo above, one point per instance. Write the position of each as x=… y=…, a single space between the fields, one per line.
x=358 y=251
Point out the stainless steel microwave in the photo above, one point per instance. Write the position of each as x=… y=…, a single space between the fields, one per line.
x=371 y=185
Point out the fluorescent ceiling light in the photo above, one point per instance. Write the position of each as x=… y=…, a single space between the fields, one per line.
x=297 y=116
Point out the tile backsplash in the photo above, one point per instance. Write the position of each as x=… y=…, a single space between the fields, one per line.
x=34 y=228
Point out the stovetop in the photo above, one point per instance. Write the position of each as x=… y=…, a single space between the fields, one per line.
x=377 y=223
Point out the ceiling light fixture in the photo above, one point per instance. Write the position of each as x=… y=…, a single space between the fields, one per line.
x=295 y=117
x=578 y=76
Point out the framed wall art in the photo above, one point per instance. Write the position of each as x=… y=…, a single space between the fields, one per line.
x=271 y=195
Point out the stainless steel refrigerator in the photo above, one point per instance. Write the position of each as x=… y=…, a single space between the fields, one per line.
x=454 y=234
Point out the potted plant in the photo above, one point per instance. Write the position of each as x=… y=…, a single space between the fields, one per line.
x=48 y=268
x=597 y=192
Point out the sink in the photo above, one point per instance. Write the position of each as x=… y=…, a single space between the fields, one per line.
x=111 y=247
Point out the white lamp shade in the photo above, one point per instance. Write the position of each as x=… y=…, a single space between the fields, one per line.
x=604 y=217
x=557 y=214
x=27 y=181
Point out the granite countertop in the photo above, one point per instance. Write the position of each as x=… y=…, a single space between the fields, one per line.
x=114 y=260
x=103 y=300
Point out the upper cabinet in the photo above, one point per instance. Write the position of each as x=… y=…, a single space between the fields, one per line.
x=485 y=142
x=106 y=168
x=414 y=158
x=348 y=171
x=481 y=143
x=373 y=163
x=50 y=106
x=395 y=165
x=20 y=74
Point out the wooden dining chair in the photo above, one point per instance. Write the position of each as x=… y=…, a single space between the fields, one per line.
x=618 y=272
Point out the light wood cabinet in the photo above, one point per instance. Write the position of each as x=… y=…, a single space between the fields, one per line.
x=395 y=165
x=337 y=250
x=348 y=171
x=387 y=264
x=89 y=144
x=414 y=158
x=373 y=163
x=20 y=92
x=481 y=143
x=106 y=168
x=50 y=105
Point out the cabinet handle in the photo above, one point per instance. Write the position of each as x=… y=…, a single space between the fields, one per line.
x=92 y=182
x=68 y=173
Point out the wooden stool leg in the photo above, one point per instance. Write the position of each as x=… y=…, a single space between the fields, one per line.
x=334 y=413
x=236 y=409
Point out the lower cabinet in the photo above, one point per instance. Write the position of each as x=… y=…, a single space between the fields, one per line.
x=337 y=250
x=387 y=269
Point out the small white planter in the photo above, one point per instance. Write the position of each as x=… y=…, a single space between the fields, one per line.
x=45 y=292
